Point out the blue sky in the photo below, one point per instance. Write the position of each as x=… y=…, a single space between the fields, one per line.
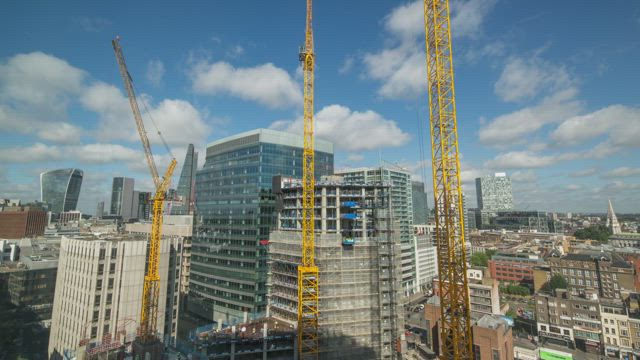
x=546 y=91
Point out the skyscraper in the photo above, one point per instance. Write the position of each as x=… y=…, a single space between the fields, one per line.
x=236 y=208
x=61 y=189
x=100 y=210
x=186 y=182
x=420 y=203
x=494 y=192
x=122 y=197
x=402 y=206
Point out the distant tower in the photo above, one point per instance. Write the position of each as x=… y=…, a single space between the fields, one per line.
x=612 y=221
x=186 y=182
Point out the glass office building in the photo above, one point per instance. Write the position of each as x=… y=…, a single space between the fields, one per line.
x=122 y=194
x=185 y=184
x=61 y=189
x=236 y=211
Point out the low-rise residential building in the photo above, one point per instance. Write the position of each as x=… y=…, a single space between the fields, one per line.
x=615 y=329
x=570 y=318
x=608 y=273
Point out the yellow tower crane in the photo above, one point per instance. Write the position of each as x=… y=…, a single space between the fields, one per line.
x=455 y=322
x=308 y=271
x=149 y=311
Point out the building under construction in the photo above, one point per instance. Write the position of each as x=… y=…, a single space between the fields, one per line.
x=358 y=258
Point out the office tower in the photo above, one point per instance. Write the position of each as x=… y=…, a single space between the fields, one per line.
x=122 y=197
x=61 y=189
x=236 y=208
x=420 y=203
x=186 y=183
x=357 y=253
x=612 y=221
x=99 y=288
x=100 y=210
x=494 y=192
x=144 y=206
x=402 y=205
x=17 y=222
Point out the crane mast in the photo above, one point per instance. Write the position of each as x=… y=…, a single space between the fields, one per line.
x=307 y=271
x=151 y=291
x=455 y=322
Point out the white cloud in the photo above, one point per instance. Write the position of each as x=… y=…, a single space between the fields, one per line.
x=520 y=159
x=573 y=187
x=585 y=172
x=179 y=122
x=468 y=16
x=620 y=123
x=351 y=130
x=524 y=78
x=521 y=125
x=50 y=130
x=401 y=65
x=40 y=80
x=623 y=171
x=88 y=153
x=524 y=176
x=346 y=65
x=155 y=72
x=235 y=51
x=265 y=84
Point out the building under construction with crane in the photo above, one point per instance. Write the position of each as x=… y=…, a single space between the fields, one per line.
x=357 y=253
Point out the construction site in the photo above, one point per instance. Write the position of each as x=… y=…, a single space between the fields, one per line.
x=358 y=259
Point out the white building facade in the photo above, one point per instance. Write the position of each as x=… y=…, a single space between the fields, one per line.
x=99 y=288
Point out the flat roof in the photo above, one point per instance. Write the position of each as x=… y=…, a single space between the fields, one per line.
x=277 y=137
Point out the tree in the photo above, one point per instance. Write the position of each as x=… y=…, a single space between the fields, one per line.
x=594 y=232
x=556 y=282
x=479 y=259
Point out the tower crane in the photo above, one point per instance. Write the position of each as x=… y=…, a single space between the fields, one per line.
x=455 y=322
x=149 y=312
x=308 y=277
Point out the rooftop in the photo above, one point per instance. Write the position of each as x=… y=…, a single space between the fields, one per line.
x=274 y=137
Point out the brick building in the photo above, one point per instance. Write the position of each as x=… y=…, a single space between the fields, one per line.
x=607 y=273
x=22 y=221
x=514 y=267
x=492 y=339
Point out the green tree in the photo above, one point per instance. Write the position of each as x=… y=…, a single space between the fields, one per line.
x=594 y=232
x=556 y=282
x=479 y=259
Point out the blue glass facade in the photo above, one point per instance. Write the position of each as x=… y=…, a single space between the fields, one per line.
x=236 y=212
x=61 y=189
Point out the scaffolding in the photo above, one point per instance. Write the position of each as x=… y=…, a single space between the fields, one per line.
x=357 y=260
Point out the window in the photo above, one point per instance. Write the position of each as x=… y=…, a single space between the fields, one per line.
x=496 y=354
x=96 y=315
x=566 y=332
x=588 y=282
x=543 y=327
x=96 y=301
x=102 y=254
x=99 y=285
x=109 y=299
x=112 y=268
x=105 y=330
x=107 y=314
x=114 y=253
x=94 y=331
x=110 y=286
x=100 y=269
x=613 y=331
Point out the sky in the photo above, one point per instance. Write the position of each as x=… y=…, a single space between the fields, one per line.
x=546 y=91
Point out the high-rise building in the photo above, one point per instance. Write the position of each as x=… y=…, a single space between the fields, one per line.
x=100 y=210
x=144 y=205
x=186 y=184
x=402 y=205
x=236 y=208
x=357 y=253
x=99 y=289
x=420 y=203
x=612 y=221
x=494 y=192
x=122 y=197
x=61 y=189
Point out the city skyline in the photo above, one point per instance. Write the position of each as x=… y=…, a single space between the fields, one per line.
x=535 y=97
